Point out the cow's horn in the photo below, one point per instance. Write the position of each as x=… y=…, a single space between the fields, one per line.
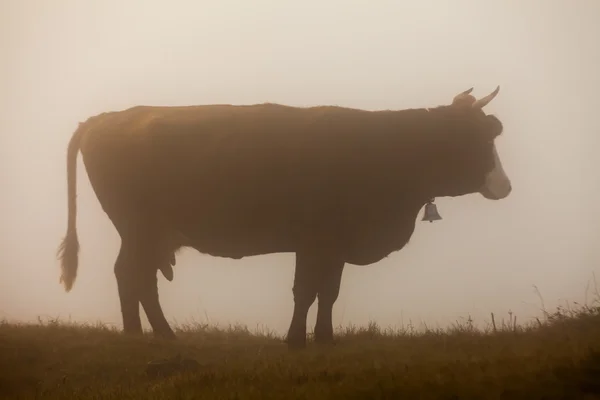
x=463 y=96
x=485 y=100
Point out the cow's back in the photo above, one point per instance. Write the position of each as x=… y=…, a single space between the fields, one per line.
x=215 y=162
x=266 y=172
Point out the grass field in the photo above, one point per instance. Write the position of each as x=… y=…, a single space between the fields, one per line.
x=556 y=358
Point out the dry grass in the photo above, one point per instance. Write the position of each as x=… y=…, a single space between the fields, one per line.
x=551 y=359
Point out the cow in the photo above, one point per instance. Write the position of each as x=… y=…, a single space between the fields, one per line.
x=334 y=185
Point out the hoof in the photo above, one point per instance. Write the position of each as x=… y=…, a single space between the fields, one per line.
x=326 y=342
x=167 y=367
x=296 y=344
x=133 y=333
x=167 y=335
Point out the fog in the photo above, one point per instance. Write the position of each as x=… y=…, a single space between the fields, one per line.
x=67 y=60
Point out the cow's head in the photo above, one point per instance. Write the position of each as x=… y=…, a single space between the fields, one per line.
x=466 y=159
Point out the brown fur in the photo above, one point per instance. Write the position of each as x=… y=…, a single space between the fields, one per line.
x=334 y=185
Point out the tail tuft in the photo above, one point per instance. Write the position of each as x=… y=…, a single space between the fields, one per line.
x=68 y=252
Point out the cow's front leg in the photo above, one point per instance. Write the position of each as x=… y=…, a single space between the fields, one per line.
x=305 y=293
x=316 y=273
x=328 y=291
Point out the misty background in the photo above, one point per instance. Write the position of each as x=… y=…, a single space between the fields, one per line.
x=66 y=60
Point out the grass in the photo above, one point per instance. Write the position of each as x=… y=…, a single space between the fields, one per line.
x=557 y=358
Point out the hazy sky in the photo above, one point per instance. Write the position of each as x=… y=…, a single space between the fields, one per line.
x=66 y=60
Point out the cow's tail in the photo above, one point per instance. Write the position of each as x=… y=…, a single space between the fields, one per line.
x=68 y=250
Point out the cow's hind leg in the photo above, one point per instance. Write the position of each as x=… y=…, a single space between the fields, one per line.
x=151 y=304
x=127 y=285
x=141 y=257
x=150 y=256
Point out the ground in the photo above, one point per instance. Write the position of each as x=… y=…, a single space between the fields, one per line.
x=555 y=358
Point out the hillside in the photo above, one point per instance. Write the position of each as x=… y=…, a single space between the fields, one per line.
x=551 y=359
